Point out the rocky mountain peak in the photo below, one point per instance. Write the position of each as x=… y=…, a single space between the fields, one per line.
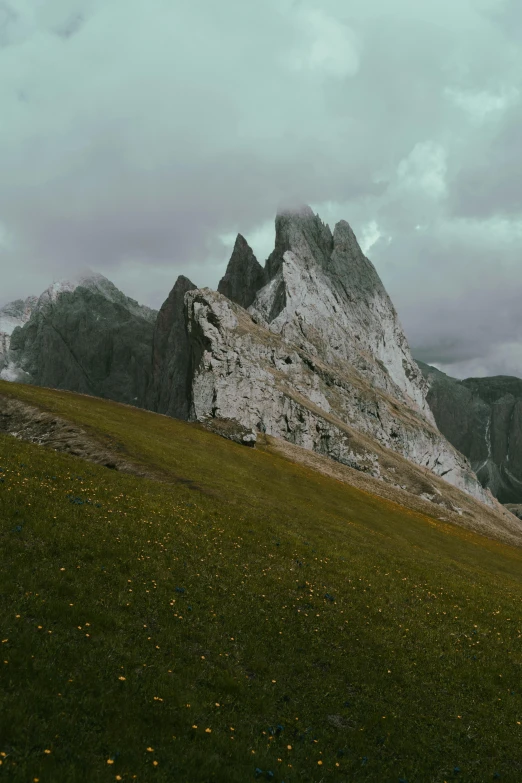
x=84 y=335
x=16 y=313
x=349 y=269
x=86 y=279
x=183 y=283
x=301 y=212
x=168 y=387
x=303 y=232
x=96 y=284
x=313 y=247
x=13 y=314
x=324 y=295
x=244 y=275
x=309 y=349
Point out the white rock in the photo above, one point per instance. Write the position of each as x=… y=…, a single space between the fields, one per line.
x=239 y=375
x=13 y=314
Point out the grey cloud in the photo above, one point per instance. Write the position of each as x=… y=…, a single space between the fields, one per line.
x=136 y=136
x=70 y=26
x=457 y=288
x=488 y=183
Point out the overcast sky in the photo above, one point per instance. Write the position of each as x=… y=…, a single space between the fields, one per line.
x=137 y=137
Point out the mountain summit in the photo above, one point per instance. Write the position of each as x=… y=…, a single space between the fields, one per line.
x=244 y=275
x=308 y=349
x=13 y=314
x=319 y=357
x=84 y=335
x=320 y=290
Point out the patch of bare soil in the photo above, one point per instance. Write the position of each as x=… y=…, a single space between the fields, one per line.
x=29 y=423
x=444 y=502
x=515 y=508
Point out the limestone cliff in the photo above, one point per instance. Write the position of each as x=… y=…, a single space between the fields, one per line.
x=168 y=389
x=319 y=358
x=326 y=296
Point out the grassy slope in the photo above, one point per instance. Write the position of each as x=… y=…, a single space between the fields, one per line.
x=207 y=595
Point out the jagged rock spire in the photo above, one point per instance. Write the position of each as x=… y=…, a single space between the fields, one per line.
x=324 y=292
x=351 y=273
x=244 y=276
x=168 y=390
x=298 y=229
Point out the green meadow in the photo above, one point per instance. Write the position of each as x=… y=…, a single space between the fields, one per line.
x=241 y=618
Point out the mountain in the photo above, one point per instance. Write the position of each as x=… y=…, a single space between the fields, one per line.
x=167 y=390
x=86 y=336
x=308 y=348
x=324 y=294
x=319 y=358
x=13 y=314
x=244 y=275
x=482 y=418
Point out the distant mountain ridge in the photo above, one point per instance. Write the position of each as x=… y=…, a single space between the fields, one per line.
x=13 y=314
x=87 y=336
x=308 y=348
x=482 y=418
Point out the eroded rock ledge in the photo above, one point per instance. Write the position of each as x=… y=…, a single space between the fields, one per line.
x=231 y=430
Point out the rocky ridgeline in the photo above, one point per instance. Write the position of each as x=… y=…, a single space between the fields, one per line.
x=482 y=418
x=318 y=356
x=85 y=336
x=14 y=314
x=308 y=348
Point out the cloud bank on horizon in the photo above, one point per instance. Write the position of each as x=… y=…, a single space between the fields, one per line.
x=138 y=139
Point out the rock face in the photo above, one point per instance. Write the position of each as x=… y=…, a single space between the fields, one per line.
x=326 y=296
x=168 y=390
x=319 y=358
x=231 y=430
x=14 y=314
x=482 y=418
x=85 y=336
x=244 y=275
x=308 y=349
